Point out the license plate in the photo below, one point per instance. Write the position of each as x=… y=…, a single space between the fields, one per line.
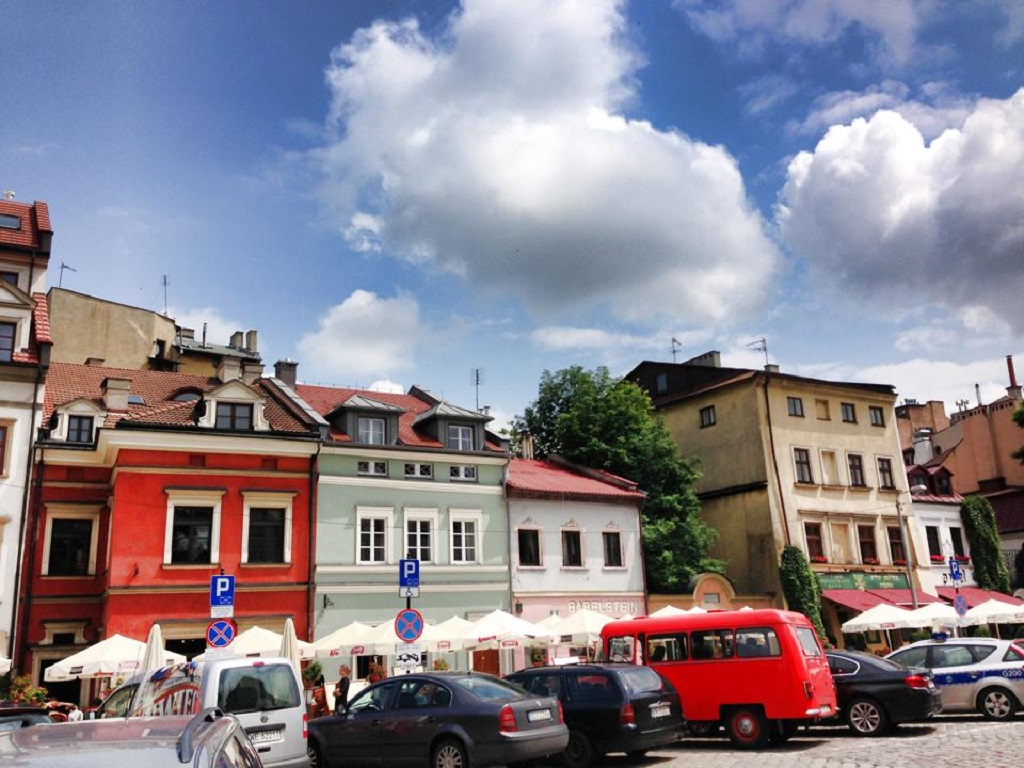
x=262 y=737
x=536 y=715
x=661 y=711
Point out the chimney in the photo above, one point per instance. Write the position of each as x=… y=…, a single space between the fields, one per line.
x=230 y=369
x=187 y=333
x=115 y=393
x=250 y=341
x=1014 y=390
x=525 y=445
x=286 y=371
x=236 y=340
x=251 y=371
x=712 y=359
x=772 y=368
x=923 y=451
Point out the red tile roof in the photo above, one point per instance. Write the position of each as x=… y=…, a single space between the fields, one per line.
x=40 y=332
x=35 y=219
x=532 y=478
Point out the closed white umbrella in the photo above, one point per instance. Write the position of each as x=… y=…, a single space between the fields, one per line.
x=116 y=655
x=884 y=616
x=290 y=645
x=155 y=655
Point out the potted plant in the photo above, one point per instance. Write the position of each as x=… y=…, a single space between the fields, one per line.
x=819 y=559
x=312 y=674
x=938 y=559
x=375 y=673
x=870 y=561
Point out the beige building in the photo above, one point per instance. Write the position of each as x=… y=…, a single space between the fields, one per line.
x=788 y=460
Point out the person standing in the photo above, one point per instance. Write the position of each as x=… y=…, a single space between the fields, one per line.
x=75 y=714
x=341 y=689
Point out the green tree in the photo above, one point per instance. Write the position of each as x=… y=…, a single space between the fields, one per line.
x=800 y=587
x=979 y=520
x=589 y=418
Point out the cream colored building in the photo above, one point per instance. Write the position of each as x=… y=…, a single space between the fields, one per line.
x=792 y=460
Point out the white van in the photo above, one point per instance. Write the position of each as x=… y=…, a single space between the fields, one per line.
x=264 y=694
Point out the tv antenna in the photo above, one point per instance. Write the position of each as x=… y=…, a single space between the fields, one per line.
x=760 y=345
x=63 y=266
x=476 y=379
x=961 y=405
x=675 y=348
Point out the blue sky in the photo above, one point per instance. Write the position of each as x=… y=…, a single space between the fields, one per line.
x=400 y=192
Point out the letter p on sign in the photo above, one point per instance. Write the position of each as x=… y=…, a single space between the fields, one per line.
x=222 y=590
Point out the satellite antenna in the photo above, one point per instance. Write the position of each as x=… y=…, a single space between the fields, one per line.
x=675 y=348
x=760 y=345
x=63 y=266
x=476 y=379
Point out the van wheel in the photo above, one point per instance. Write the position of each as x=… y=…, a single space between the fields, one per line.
x=316 y=759
x=579 y=752
x=866 y=718
x=748 y=728
x=996 y=704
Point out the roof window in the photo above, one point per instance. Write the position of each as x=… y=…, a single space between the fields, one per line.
x=9 y=221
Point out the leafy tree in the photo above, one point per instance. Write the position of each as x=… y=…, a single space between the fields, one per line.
x=592 y=419
x=986 y=552
x=801 y=587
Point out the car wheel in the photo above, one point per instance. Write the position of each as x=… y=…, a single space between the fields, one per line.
x=996 y=704
x=702 y=727
x=579 y=752
x=866 y=718
x=748 y=728
x=316 y=759
x=449 y=753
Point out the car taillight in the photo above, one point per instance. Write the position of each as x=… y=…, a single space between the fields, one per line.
x=627 y=716
x=561 y=714
x=917 y=681
x=507 y=720
x=305 y=725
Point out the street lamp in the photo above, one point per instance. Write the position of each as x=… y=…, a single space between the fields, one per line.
x=904 y=536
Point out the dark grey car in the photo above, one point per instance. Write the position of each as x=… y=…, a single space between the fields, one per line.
x=444 y=720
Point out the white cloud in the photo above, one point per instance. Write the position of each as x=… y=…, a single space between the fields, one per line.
x=364 y=336
x=561 y=338
x=498 y=152
x=886 y=219
x=387 y=386
x=923 y=380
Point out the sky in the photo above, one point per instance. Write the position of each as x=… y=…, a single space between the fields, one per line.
x=462 y=195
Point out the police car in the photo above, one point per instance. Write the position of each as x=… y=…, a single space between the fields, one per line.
x=974 y=674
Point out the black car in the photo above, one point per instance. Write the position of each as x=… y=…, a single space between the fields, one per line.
x=876 y=694
x=608 y=708
x=440 y=719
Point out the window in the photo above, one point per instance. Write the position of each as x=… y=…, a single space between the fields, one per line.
x=711 y=644
x=10 y=221
x=11 y=278
x=70 y=544
x=425 y=471
x=265 y=536
x=572 y=550
x=815 y=546
x=821 y=410
x=661 y=383
x=418 y=539
x=464 y=540
x=895 y=544
x=374 y=468
x=856 y=464
x=868 y=548
x=462 y=473
x=373 y=533
x=829 y=468
x=529 y=547
x=612 y=541
x=234 y=416
x=934 y=542
x=943 y=486
x=370 y=430
x=707 y=416
x=886 y=479
x=192 y=535
x=849 y=412
x=919 y=481
x=757 y=641
x=80 y=429
x=956 y=537
x=795 y=405
x=460 y=437
x=802 y=457
x=877 y=416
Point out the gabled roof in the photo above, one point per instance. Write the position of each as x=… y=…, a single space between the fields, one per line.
x=34 y=232
x=451 y=411
x=39 y=336
x=530 y=478
x=67 y=382
x=363 y=403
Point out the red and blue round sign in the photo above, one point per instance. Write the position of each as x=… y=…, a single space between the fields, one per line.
x=409 y=625
x=220 y=633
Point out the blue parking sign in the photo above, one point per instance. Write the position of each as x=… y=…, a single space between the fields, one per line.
x=954 y=569
x=408 y=573
x=222 y=590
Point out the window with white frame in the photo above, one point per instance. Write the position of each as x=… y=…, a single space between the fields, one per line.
x=886 y=478
x=8 y=335
x=795 y=405
x=707 y=416
x=849 y=412
x=612 y=541
x=234 y=416
x=192 y=530
x=465 y=532
x=465 y=473
x=802 y=462
x=370 y=430
x=572 y=548
x=71 y=540
x=266 y=527
x=855 y=462
x=79 y=428
x=419 y=470
x=877 y=415
x=460 y=437
x=372 y=468
x=373 y=531
x=420 y=525
x=529 y=547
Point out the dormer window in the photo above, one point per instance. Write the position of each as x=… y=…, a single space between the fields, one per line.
x=80 y=429
x=8 y=332
x=10 y=221
x=234 y=416
x=460 y=437
x=370 y=430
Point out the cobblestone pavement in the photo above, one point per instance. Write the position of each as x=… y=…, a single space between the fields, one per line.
x=946 y=741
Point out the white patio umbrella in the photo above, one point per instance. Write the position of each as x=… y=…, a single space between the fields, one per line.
x=116 y=655
x=155 y=655
x=933 y=615
x=582 y=626
x=336 y=644
x=549 y=621
x=448 y=636
x=994 y=612
x=259 y=641
x=883 y=616
x=290 y=645
x=500 y=629
x=696 y=609
x=383 y=639
x=668 y=610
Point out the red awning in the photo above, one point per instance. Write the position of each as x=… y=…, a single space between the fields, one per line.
x=857 y=599
x=902 y=597
x=975 y=596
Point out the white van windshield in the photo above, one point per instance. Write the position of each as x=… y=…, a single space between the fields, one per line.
x=257 y=689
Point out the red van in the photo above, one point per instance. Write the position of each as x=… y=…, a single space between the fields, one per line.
x=759 y=673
